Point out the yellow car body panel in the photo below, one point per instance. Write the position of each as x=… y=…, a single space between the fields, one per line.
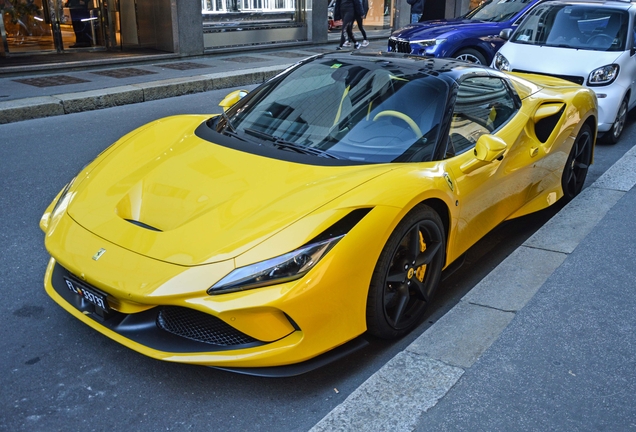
x=213 y=209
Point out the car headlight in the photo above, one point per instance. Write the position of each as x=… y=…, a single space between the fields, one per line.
x=428 y=42
x=603 y=76
x=283 y=268
x=62 y=202
x=501 y=62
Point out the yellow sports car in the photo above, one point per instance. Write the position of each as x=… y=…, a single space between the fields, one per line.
x=322 y=205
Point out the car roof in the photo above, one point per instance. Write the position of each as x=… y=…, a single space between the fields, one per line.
x=616 y=4
x=447 y=67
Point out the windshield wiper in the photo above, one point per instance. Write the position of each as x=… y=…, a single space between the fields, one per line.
x=283 y=144
x=228 y=123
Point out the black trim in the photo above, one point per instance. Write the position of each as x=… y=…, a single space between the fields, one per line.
x=143 y=225
x=269 y=151
x=343 y=226
x=304 y=367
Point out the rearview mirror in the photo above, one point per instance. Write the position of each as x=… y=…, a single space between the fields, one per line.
x=232 y=98
x=505 y=33
x=489 y=148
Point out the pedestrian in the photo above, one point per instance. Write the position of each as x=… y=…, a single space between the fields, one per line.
x=417 y=9
x=347 y=10
x=81 y=22
x=365 y=10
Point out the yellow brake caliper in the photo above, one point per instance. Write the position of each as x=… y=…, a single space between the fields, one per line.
x=421 y=270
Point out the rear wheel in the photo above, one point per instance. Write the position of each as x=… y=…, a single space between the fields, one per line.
x=407 y=274
x=578 y=162
x=471 y=55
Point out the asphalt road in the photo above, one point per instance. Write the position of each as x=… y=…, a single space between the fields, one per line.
x=58 y=374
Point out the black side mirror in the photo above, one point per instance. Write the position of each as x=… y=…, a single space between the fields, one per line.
x=505 y=33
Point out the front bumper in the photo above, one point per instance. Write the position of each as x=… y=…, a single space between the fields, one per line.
x=271 y=326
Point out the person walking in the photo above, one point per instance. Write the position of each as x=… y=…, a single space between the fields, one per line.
x=359 y=18
x=417 y=9
x=347 y=10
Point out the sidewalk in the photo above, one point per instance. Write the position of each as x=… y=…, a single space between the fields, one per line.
x=54 y=92
x=545 y=342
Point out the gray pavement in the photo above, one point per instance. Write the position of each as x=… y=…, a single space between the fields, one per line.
x=546 y=341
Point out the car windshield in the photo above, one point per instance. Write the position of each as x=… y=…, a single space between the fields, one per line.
x=353 y=109
x=497 y=10
x=588 y=27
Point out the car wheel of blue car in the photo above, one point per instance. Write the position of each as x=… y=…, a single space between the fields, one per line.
x=407 y=274
x=471 y=55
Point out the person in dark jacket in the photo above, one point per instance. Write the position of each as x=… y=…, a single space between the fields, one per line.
x=417 y=9
x=81 y=22
x=347 y=10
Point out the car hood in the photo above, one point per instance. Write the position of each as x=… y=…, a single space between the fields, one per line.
x=433 y=29
x=170 y=195
x=556 y=61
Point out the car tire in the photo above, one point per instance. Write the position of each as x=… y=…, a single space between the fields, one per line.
x=613 y=135
x=471 y=55
x=407 y=274
x=577 y=164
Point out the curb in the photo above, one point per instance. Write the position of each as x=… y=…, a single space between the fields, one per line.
x=69 y=103
x=415 y=379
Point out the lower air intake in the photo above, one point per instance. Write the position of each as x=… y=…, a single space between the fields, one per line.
x=194 y=325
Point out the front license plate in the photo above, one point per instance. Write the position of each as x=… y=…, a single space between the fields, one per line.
x=89 y=294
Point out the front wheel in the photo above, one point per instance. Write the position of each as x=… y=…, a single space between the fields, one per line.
x=407 y=274
x=577 y=164
x=471 y=55
x=613 y=135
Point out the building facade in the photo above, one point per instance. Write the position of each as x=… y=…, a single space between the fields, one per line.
x=184 y=27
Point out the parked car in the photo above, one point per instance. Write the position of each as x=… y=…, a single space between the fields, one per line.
x=473 y=37
x=323 y=204
x=591 y=44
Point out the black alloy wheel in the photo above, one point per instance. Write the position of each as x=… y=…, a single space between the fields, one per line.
x=577 y=164
x=613 y=135
x=407 y=274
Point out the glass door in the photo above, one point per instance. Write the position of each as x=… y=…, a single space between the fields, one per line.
x=32 y=26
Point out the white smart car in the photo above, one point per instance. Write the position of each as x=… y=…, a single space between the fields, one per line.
x=589 y=43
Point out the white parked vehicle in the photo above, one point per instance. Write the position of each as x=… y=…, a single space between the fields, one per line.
x=589 y=43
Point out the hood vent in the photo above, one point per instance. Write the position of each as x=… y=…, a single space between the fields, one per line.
x=143 y=225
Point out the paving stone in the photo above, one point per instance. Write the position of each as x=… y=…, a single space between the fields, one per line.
x=124 y=72
x=516 y=280
x=621 y=176
x=51 y=81
x=567 y=228
x=462 y=335
x=407 y=386
x=25 y=109
x=99 y=99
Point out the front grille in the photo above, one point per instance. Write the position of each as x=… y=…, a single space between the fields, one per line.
x=572 y=78
x=399 y=46
x=198 y=326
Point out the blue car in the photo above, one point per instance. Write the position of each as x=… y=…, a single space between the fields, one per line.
x=473 y=37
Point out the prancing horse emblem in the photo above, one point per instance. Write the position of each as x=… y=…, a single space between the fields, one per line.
x=99 y=254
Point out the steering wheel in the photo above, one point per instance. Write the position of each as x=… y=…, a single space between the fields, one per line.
x=409 y=121
x=601 y=38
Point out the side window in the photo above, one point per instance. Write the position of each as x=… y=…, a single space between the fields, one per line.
x=483 y=104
